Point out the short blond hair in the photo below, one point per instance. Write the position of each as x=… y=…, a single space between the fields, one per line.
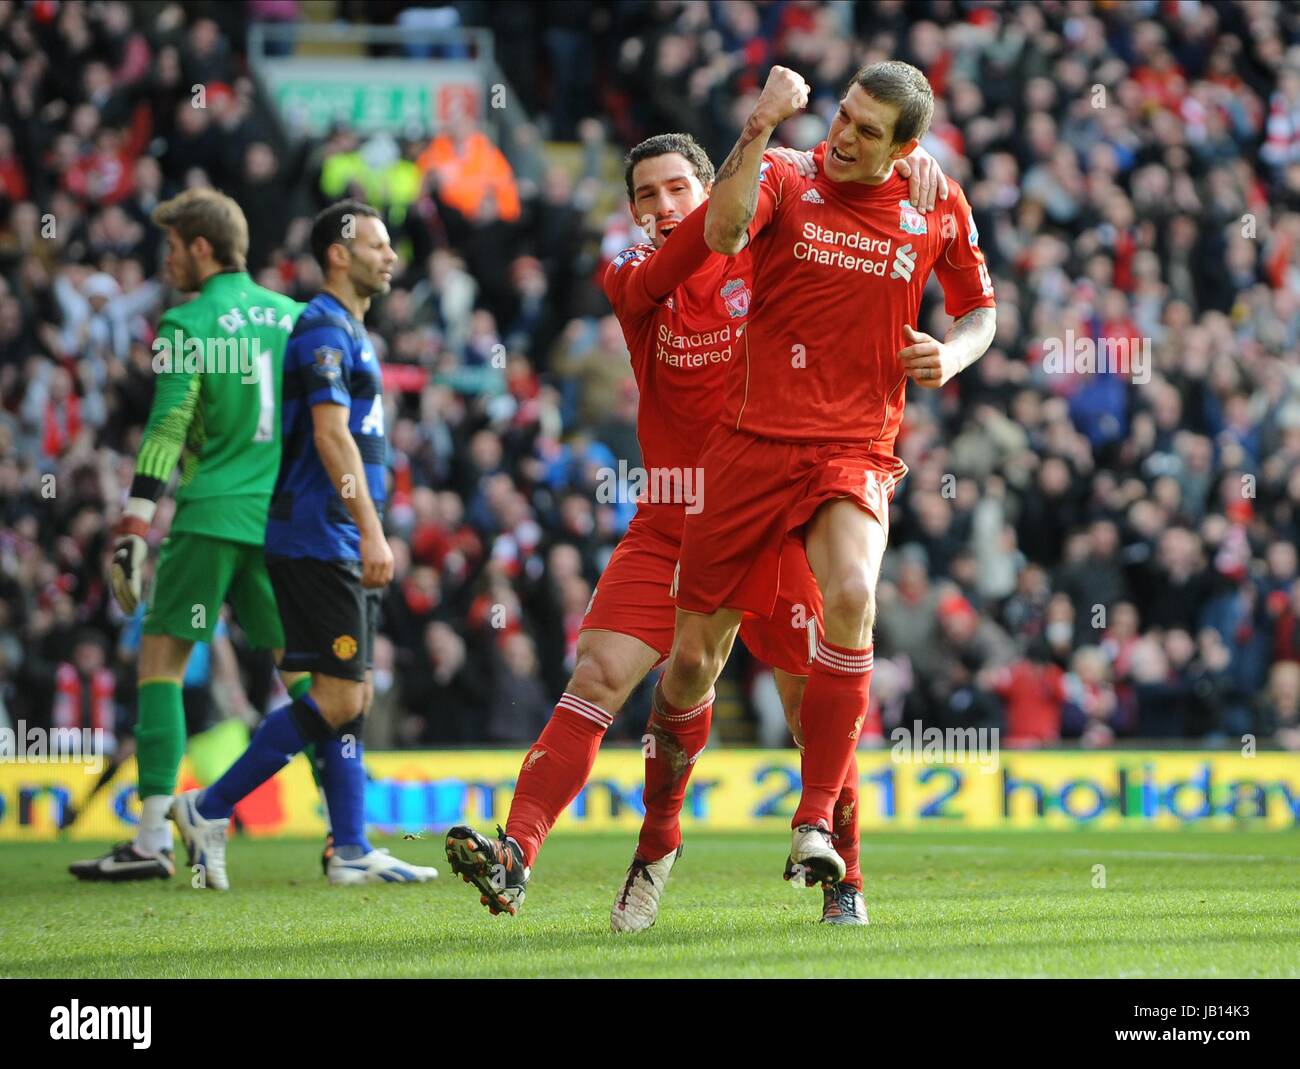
x=208 y=213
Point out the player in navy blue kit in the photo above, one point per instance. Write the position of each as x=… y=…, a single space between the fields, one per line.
x=326 y=555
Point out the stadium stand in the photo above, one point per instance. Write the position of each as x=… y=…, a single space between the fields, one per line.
x=1076 y=556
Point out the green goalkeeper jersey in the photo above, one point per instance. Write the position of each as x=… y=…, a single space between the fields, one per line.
x=216 y=408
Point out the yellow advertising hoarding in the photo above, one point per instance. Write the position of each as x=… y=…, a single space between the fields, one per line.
x=730 y=790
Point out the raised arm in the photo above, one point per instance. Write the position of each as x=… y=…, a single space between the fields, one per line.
x=735 y=189
x=636 y=282
x=684 y=253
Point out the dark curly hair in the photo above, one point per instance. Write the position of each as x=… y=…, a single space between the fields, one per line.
x=662 y=144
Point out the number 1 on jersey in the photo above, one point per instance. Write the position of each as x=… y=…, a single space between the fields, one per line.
x=265 y=400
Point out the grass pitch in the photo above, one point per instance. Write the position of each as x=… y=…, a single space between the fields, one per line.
x=942 y=904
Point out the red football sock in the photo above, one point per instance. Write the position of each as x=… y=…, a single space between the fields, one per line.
x=555 y=770
x=834 y=706
x=844 y=832
x=677 y=738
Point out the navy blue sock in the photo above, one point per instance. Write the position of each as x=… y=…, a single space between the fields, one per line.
x=273 y=745
x=343 y=779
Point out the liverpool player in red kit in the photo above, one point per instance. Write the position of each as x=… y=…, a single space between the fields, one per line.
x=814 y=403
x=683 y=310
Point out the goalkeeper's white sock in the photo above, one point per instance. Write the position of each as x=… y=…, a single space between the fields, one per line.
x=155 y=832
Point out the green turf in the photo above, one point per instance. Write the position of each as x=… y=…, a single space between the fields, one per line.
x=942 y=904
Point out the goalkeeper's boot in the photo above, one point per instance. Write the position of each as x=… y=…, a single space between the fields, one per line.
x=812 y=856
x=378 y=866
x=842 y=903
x=126 y=861
x=637 y=905
x=495 y=866
x=204 y=839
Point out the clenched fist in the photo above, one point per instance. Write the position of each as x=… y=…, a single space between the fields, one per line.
x=784 y=94
x=928 y=362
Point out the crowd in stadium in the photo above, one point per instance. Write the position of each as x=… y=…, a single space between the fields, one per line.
x=1075 y=555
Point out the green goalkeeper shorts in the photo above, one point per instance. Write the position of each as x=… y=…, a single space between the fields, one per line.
x=195 y=574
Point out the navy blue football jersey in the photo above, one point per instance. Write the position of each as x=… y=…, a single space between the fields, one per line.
x=329 y=360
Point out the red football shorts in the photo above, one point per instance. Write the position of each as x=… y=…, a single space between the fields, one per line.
x=637 y=591
x=756 y=493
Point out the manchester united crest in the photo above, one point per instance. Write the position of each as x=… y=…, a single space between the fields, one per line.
x=345 y=647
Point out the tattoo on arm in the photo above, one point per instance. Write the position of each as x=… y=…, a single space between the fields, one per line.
x=735 y=189
x=732 y=163
x=972 y=334
x=750 y=205
x=973 y=322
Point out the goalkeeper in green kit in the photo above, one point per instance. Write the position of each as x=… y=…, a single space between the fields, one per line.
x=216 y=411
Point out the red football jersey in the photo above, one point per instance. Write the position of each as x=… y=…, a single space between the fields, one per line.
x=682 y=343
x=838 y=269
